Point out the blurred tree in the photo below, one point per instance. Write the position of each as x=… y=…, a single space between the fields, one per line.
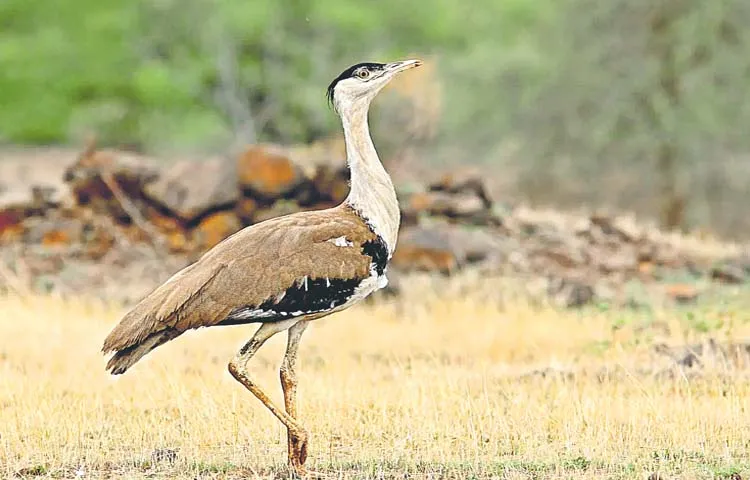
x=53 y=75
x=201 y=73
x=641 y=85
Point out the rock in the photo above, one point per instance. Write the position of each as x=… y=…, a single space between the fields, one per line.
x=96 y=172
x=569 y=292
x=32 y=198
x=31 y=180
x=562 y=256
x=191 y=189
x=667 y=256
x=733 y=270
x=54 y=233
x=424 y=249
x=21 y=201
x=331 y=184
x=98 y=240
x=325 y=151
x=267 y=171
x=160 y=218
x=11 y=214
x=645 y=270
x=471 y=245
x=215 y=228
x=444 y=248
x=278 y=209
x=578 y=295
x=550 y=236
x=623 y=259
x=682 y=293
x=454 y=206
x=729 y=273
x=178 y=242
x=11 y=228
x=41 y=265
x=43 y=166
x=619 y=227
x=414 y=257
x=549 y=249
x=246 y=209
x=130 y=170
x=465 y=183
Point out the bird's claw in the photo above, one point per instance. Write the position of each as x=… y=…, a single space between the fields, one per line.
x=298 y=453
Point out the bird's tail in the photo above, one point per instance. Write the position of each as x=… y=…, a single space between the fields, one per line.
x=158 y=318
x=126 y=357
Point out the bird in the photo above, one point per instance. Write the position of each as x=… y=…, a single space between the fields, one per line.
x=285 y=272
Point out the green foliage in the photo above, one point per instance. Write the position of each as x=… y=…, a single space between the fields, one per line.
x=646 y=97
x=196 y=72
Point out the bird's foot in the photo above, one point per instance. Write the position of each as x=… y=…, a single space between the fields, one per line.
x=298 y=454
x=298 y=449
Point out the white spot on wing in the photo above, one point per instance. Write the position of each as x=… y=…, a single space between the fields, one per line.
x=341 y=242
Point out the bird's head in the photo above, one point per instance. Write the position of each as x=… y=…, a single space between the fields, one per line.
x=358 y=84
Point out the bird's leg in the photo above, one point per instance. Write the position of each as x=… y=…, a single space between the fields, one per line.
x=238 y=369
x=297 y=446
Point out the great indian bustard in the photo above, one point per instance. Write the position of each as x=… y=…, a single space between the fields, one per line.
x=287 y=271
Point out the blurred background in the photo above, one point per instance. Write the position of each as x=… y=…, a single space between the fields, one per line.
x=570 y=292
x=635 y=104
x=166 y=125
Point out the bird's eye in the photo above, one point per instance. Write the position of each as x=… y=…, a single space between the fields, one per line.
x=363 y=73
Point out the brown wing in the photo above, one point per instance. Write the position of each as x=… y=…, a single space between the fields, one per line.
x=250 y=268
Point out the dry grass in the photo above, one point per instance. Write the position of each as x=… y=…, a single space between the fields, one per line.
x=429 y=389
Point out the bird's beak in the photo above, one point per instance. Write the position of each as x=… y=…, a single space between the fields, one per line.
x=396 y=67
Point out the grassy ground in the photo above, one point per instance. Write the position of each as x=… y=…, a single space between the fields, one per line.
x=448 y=386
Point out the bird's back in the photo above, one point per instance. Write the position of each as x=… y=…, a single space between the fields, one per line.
x=304 y=264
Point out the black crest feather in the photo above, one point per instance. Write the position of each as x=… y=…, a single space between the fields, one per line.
x=348 y=73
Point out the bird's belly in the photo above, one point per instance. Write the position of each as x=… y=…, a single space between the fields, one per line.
x=368 y=286
x=309 y=300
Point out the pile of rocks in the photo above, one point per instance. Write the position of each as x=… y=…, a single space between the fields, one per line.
x=134 y=219
x=188 y=206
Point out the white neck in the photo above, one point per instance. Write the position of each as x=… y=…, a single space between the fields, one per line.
x=372 y=193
